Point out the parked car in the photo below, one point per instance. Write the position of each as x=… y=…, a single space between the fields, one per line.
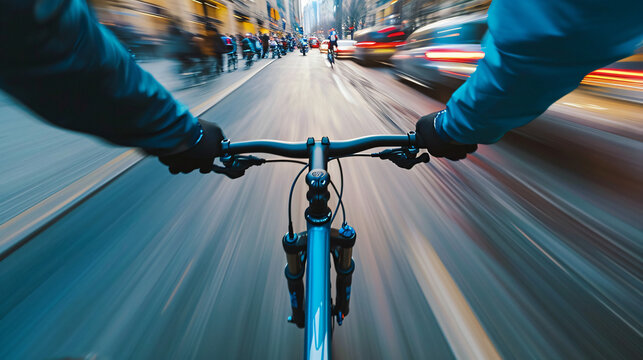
x=313 y=42
x=345 y=49
x=323 y=48
x=378 y=43
x=442 y=55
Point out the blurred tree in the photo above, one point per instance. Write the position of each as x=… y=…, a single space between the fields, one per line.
x=354 y=15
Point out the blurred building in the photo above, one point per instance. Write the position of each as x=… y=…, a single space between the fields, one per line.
x=142 y=25
x=311 y=16
x=322 y=15
x=295 y=16
x=418 y=12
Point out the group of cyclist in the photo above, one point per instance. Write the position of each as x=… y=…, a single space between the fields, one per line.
x=262 y=45
x=203 y=56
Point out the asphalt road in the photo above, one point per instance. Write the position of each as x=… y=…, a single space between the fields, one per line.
x=529 y=250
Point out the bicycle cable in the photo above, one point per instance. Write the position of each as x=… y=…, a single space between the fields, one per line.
x=338 y=204
x=339 y=194
x=292 y=188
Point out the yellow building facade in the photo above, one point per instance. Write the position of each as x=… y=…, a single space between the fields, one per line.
x=151 y=18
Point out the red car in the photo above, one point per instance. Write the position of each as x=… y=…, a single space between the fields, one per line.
x=313 y=42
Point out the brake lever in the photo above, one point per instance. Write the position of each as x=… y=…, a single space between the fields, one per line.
x=236 y=166
x=405 y=158
x=408 y=164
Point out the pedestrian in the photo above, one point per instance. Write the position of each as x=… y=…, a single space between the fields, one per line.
x=218 y=48
x=181 y=47
x=265 y=39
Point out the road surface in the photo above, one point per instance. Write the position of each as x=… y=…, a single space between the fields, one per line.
x=531 y=249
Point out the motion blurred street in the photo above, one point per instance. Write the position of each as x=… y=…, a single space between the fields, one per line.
x=539 y=238
x=531 y=248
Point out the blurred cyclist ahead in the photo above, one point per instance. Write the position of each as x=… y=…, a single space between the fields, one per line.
x=69 y=69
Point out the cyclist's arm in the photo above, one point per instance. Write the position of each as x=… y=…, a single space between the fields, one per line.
x=536 y=52
x=60 y=62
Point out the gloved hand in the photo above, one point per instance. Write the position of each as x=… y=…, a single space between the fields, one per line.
x=201 y=156
x=428 y=138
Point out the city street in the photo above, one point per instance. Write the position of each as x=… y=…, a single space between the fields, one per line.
x=529 y=249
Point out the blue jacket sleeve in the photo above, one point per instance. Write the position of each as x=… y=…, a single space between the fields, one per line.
x=58 y=61
x=536 y=51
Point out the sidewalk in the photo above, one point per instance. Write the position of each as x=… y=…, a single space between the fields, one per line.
x=39 y=160
x=165 y=72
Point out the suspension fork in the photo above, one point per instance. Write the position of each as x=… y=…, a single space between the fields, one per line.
x=342 y=242
x=295 y=248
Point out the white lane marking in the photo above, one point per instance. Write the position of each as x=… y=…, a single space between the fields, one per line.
x=461 y=327
x=343 y=89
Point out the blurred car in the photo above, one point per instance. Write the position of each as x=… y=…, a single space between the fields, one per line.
x=323 y=48
x=378 y=43
x=622 y=80
x=345 y=49
x=313 y=42
x=442 y=55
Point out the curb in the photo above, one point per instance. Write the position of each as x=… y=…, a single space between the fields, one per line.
x=18 y=230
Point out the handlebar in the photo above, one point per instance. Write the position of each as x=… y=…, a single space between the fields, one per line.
x=235 y=164
x=335 y=148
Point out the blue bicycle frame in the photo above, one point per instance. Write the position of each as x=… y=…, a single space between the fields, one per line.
x=318 y=308
x=318 y=314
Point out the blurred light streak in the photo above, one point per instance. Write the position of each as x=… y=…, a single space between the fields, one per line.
x=387 y=29
x=626 y=73
x=176 y=288
x=616 y=78
x=453 y=55
x=447 y=30
x=586 y=106
x=591 y=76
x=379 y=45
x=448 y=36
x=454 y=73
x=399 y=33
x=539 y=248
x=610 y=85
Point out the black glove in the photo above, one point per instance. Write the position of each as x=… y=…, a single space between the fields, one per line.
x=201 y=156
x=429 y=139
